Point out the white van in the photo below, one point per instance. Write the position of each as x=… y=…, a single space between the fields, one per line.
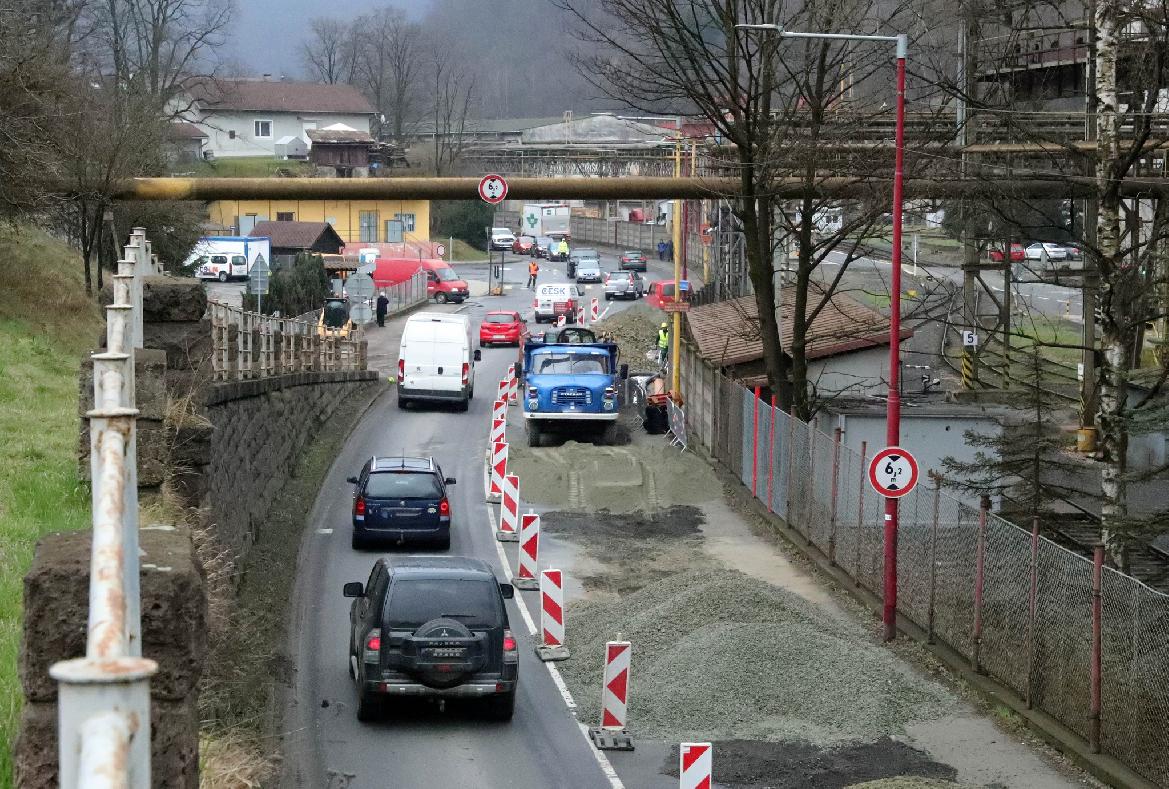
x=436 y=361
x=228 y=257
x=554 y=299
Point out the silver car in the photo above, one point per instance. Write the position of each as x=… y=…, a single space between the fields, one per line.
x=624 y=285
x=588 y=269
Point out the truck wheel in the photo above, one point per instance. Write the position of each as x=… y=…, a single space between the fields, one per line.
x=535 y=434
x=223 y=276
x=608 y=436
x=440 y=298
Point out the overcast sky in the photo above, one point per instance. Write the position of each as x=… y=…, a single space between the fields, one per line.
x=268 y=32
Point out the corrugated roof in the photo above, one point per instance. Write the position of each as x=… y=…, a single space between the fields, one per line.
x=294 y=235
x=280 y=96
x=727 y=332
x=597 y=130
x=339 y=136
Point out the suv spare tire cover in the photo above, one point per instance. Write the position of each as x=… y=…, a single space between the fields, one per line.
x=438 y=629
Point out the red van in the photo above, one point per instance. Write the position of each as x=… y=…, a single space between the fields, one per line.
x=662 y=292
x=442 y=283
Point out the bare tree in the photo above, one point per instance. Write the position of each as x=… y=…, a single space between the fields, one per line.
x=332 y=51
x=389 y=69
x=452 y=94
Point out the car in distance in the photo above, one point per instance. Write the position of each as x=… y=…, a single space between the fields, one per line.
x=588 y=269
x=399 y=500
x=502 y=326
x=623 y=285
x=524 y=245
x=432 y=627
x=633 y=260
x=1017 y=254
x=502 y=238
x=1053 y=251
x=554 y=299
x=544 y=246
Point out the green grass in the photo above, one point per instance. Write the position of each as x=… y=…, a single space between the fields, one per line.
x=462 y=252
x=244 y=167
x=46 y=322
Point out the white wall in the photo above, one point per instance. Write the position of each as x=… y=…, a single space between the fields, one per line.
x=219 y=125
x=853 y=374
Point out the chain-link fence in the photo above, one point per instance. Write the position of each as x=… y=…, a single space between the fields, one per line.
x=1019 y=607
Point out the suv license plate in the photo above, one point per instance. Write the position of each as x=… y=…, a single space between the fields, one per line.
x=445 y=653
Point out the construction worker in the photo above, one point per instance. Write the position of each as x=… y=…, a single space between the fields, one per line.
x=562 y=249
x=533 y=270
x=663 y=343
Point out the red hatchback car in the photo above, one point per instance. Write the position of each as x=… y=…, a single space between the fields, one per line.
x=524 y=245
x=1017 y=253
x=502 y=326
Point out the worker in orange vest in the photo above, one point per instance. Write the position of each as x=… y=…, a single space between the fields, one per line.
x=533 y=270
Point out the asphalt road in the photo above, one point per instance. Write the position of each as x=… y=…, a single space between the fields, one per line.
x=543 y=746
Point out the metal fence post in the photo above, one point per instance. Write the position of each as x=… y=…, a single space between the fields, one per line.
x=835 y=483
x=1032 y=604
x=1094 y=702
x=755 y=442
x=810 y=492
x=860 y=513
x=979 y=583
x=932 y=607
x=771 y=457
x=787 y=507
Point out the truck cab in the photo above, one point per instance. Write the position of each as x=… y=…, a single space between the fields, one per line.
x=571 y=388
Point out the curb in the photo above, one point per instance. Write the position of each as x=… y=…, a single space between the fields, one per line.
x=1101 y=766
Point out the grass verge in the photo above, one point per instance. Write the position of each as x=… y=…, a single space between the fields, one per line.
x=462 y=252
x=239 y=699
x=46 y=323
x=245 y=167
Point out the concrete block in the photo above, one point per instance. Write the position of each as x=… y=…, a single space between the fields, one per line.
x=154 y=445
x=170 y=300
x=187 y=344
x=149 y=384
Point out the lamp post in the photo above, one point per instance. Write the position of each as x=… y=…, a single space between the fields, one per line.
x=893 y=409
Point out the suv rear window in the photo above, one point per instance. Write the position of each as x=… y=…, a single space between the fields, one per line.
x=402 y=485
x=415 y=601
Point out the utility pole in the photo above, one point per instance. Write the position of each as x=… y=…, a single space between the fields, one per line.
x=676 y=330
x=1088 y=404
x=970 y=261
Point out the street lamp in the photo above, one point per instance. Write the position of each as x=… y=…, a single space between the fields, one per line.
x=893 y=409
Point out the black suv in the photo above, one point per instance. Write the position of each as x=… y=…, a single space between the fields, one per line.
x=433 y=627
x=400 y=499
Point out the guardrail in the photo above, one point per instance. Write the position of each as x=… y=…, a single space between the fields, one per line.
x=248 y=346
x=104 y=698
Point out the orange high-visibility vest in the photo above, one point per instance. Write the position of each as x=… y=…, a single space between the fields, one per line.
x=533 y=269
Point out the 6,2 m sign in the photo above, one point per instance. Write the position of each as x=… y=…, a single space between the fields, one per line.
x=893 y=472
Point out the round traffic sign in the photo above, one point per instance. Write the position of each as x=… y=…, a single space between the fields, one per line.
x=440 y=250
x=893 y=472
x=493 y=188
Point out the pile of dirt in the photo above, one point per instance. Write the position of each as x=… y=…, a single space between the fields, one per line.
x=634 y=329
x=642 y=476
x=720 y=655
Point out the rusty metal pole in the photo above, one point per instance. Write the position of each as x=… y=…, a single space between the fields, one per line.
x=1097 y=586
x=755 y=442
x=835 y=482
x=979 y=582
x=860 y=512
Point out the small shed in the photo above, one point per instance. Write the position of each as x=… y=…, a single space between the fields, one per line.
x=289 y=239
x=291 y=147
x=184 y=142
x=346 y=150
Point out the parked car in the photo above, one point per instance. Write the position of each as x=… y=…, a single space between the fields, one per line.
x=1074 y=251
x=524 y=245
x=1017 y=254
x=633 y=260
x=623 y=285
x=1054 y=251
x=502 y=326
x=435 y=360
x=502 y=238
x=432 y=627
x=555 y=299
x=400 y=499
x=588 y=269
x=661 y=292
x=578 y=255
x=544 y=246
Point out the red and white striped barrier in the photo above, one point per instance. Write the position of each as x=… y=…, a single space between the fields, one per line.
x=560 y=321
x=594 y=310
x=513 y=385
x=498 y=470
x=504 y=388
x=580 y=315
x=612 y=735
x=695 y=764
x=551 y=645
x=499 y=407
x=498 y=431
x=528 y=550
x=509 y=512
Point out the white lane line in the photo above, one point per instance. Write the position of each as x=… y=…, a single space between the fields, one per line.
x=557 y=679
x=324 y=531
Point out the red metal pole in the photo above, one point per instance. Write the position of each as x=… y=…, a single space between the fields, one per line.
x=929 y=629
x=1097 y=585
x=979 y=582
x=755 y=443
x=860 y=510
x=771 y=455
x=835 y=482
x=1032 y=601
x=893 y=414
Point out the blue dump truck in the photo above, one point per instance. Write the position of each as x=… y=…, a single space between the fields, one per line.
x=571 y=386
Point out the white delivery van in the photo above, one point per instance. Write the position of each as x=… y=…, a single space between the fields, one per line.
x=435 y=360
x=228 y=257
x=555 y=299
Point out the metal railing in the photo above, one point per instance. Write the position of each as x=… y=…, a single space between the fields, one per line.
x=404 y=295
x=1080 y=641
x=104 y=698
x=248 y=346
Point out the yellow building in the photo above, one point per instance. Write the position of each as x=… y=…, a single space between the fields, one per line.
x=356 y=221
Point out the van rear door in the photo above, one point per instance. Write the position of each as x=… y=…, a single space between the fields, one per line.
x=434 y=353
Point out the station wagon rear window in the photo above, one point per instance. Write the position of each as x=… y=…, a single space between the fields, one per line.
x=402 y=485
x=415 y=601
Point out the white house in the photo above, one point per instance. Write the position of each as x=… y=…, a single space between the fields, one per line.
x=248 y=117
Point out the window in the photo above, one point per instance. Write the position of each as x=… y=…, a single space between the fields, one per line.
x=231 y=134
x=393 y=231
x=412 y=602
x=263 y=129
x=396 y=485
x=407 y=221
x=285 y=216
x=368 y=224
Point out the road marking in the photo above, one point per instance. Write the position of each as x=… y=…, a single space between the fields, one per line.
x=557 y=679
x=324 y=531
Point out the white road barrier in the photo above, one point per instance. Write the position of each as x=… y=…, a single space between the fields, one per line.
x=695 y=764
x=528 y=550
x=551 y=645
x=612 y=734
x=513 y=385
x=509 y=515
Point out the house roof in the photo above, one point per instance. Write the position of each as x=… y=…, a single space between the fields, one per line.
x=263 y=95
x=494 y=125
x=727 y=332
x=295 y=235
x=339 y=137
x=182 y=130
x=600 y=129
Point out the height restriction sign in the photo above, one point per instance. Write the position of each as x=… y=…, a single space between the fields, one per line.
x=493 y=188
x=893 y=472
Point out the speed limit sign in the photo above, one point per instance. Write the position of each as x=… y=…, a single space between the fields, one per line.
x=893 y=472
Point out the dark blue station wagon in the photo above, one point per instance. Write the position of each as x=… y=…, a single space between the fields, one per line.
x=401 y=499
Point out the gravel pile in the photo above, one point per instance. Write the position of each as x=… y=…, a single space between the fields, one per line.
x=720 y=655
x=910 y=783
x=634 y=329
